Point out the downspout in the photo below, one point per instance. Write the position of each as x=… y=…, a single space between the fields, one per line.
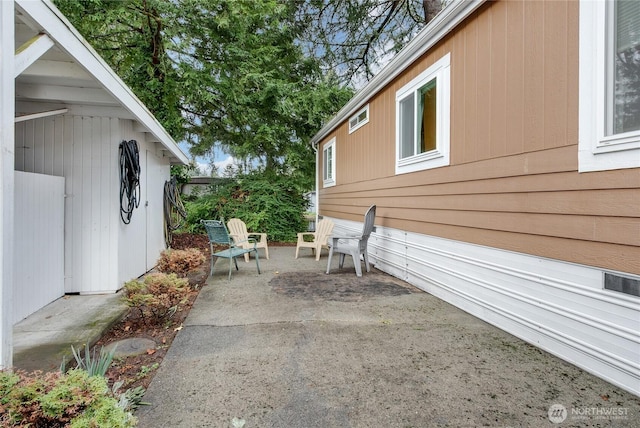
x=314 y=146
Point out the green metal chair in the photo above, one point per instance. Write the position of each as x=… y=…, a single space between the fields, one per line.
x=219 y=235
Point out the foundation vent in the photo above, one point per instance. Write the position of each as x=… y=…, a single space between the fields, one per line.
x=622 y=284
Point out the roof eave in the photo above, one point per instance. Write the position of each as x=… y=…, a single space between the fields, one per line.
x=46 y=15
x=449 y=18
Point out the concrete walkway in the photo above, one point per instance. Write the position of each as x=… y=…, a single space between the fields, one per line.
x=294 y=347
x=43 y=339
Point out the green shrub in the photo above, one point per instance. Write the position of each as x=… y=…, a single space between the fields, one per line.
x=72 y=399
x=158 y=296
x=266 y=203
x=180 y=262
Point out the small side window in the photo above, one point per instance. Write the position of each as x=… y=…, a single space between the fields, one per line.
x=359 y=119
x=329 y=163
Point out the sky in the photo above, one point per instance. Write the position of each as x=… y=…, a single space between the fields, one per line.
x=221 y=160
x=221 y=164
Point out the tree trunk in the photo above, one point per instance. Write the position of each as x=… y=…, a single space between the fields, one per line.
x=431 y=9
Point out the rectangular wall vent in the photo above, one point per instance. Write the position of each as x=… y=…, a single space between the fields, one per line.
x=622 y=284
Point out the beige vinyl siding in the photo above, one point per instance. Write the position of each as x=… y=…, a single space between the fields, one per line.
x=513 y=182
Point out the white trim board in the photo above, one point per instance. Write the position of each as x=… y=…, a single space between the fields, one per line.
x=557 y=306
x=599 y=149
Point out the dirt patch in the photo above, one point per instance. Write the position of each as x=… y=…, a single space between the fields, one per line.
x=342 y=287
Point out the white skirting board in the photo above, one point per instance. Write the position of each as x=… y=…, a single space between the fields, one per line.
x=557 y=306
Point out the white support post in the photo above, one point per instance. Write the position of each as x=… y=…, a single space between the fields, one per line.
x=7 y=146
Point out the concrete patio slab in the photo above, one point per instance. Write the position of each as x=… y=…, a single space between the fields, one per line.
x=280 y=350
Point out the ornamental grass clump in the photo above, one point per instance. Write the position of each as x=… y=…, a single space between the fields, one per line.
x=157 y=297
x=180 y=262
x=95 y=365
x=73 y=399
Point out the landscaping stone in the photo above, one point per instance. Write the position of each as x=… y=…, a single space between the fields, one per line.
x=132 y=346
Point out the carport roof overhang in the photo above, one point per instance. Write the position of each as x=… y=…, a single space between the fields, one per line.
x=57 y=72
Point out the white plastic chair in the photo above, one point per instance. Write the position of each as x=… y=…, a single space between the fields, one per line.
x=320 y=238
x=238 y=230
x=354 y=245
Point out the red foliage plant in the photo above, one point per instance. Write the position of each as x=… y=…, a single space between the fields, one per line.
x=180 y=262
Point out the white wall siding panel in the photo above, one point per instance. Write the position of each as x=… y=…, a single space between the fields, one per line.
x=100 y=251
x=142 y=240
x=108 y=206
x=558 y=306
x=69 y=230
x=40 y=147
x=39 y=220
x=91 y=144
x=84 y=150
x=132 y=240
x=57 y=153
x=158 y=171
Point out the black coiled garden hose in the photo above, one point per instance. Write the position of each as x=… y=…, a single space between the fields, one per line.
x=129 y=179
x=174 y=211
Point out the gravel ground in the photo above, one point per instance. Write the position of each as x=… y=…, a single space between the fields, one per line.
x=294 y=347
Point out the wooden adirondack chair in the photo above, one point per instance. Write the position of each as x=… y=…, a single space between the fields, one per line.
x=219 y=235
x=354 y=245
x=238 y=230
x=320 y=238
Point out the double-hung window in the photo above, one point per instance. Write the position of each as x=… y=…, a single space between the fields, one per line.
x=609 y=115
x=329 y=163
x=422 y=120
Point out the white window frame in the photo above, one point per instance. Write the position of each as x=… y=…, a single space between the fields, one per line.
x=441 y=71
x=359 y=124
x=598 y=151
x=329 y=176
